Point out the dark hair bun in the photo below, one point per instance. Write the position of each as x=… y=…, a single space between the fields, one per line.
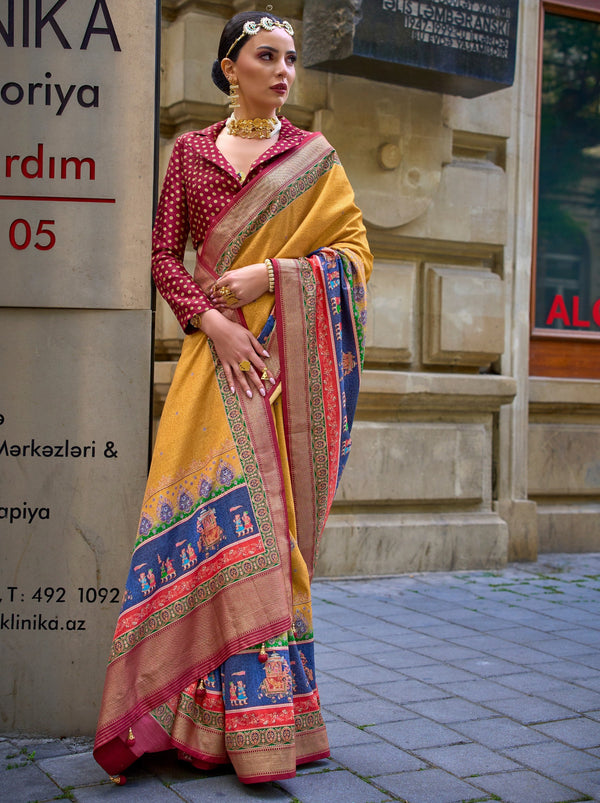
x=218 y=78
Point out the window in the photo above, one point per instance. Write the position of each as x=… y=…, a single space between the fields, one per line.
x=566 y=285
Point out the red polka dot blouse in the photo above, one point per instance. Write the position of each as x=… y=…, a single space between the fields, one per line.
x=198 y=185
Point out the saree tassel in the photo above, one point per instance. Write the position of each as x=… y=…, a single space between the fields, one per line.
x=119 y=780
x=200 y=691
x=130 y=737
x=262 y=655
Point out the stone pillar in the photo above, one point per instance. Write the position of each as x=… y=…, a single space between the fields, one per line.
x=432 y=183
x=75 y=345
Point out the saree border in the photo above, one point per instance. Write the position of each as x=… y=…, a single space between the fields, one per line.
x=259 y=202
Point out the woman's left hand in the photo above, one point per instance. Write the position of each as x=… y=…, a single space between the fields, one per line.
x=245 y=285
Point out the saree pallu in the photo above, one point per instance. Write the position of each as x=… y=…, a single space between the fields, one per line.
x=213 y=650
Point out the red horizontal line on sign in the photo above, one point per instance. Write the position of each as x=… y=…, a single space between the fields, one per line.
x=58 y=198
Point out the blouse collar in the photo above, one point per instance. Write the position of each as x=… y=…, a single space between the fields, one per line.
x=289 y=137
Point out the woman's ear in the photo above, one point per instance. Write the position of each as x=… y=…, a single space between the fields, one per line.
x=228 y=67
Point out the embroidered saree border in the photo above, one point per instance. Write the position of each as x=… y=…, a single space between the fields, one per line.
x=258 y=202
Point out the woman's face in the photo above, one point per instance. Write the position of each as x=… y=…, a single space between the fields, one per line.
x=264 y=71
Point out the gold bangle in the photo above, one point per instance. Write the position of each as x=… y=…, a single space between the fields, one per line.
x=271 y=273
x=196 y=320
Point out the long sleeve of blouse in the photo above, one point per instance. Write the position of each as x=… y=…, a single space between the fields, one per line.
x=169 y=238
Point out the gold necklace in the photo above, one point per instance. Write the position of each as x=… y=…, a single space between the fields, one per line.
x=258 y=128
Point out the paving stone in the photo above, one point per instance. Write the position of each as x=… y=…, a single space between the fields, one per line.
x=418 y=620
x=486 y=643
x=571 y=670
x=579 y=732
x=593 y=715
x=573 y=697
x=330 y=635
x=338 y=785
x=327 y=764
x=79 y=744
x=428 y=786
x=450 y=710
x=448 y=652
x=590 y=660
x=339 y=616
x=365 y=675
x=466 y=760
x=25 y=784
x=333 y=690
x=169 y=769
x=50 y=749
x=151 y=790
x=383 y=629
x=479 y=690
x=341 y=733
x=519 y=654
x=522 y=635
x=533 y=683
x=528 y=709
x=476 y=621
x=527 y=618
x=365 y=647
x=9 y=754
x=370 y=711
x=562 y=647
x=554 y=759
x=582 y=635
x=416 y=733
x=437 y=673
x=406 y=691
x=499 y=733
x=399 y=659
x=446 y=631
x=75 y=769
x=586 y=782
x=334 y=658
x=375 y=758
x=136 y=790
x=488 y=666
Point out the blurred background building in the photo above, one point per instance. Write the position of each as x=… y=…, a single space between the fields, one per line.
x=477 y=438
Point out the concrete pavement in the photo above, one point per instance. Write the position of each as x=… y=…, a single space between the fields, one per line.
x=436 y=687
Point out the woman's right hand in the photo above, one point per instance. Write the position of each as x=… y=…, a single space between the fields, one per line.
x=234 y=344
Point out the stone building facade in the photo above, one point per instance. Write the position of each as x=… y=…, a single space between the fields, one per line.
x=460 y=458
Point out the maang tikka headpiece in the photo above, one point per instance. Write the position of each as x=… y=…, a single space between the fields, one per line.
x=251 y=28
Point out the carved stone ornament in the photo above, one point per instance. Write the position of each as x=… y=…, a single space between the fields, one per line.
x=392 y=143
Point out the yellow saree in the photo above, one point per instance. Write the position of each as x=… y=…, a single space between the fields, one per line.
x=213 y=651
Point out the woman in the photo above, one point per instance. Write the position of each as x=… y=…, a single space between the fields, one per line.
x=213 y=652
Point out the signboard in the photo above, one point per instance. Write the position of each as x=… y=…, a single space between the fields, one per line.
x=77 y=97
x=460 y=47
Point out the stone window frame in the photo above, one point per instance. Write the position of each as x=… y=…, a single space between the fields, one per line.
x=573 y=354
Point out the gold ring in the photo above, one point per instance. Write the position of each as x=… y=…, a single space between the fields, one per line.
x=245 y=366
x=225 y=291
x=265 y=374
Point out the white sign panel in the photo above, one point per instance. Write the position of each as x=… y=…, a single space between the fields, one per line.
x=77 y=110
x=77 y=103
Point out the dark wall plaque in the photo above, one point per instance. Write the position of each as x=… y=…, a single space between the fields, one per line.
x=460 y=47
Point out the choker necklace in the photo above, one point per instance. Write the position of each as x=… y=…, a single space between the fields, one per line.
x=259 y=128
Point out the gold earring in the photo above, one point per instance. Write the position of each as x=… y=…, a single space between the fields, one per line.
x=233 y=96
